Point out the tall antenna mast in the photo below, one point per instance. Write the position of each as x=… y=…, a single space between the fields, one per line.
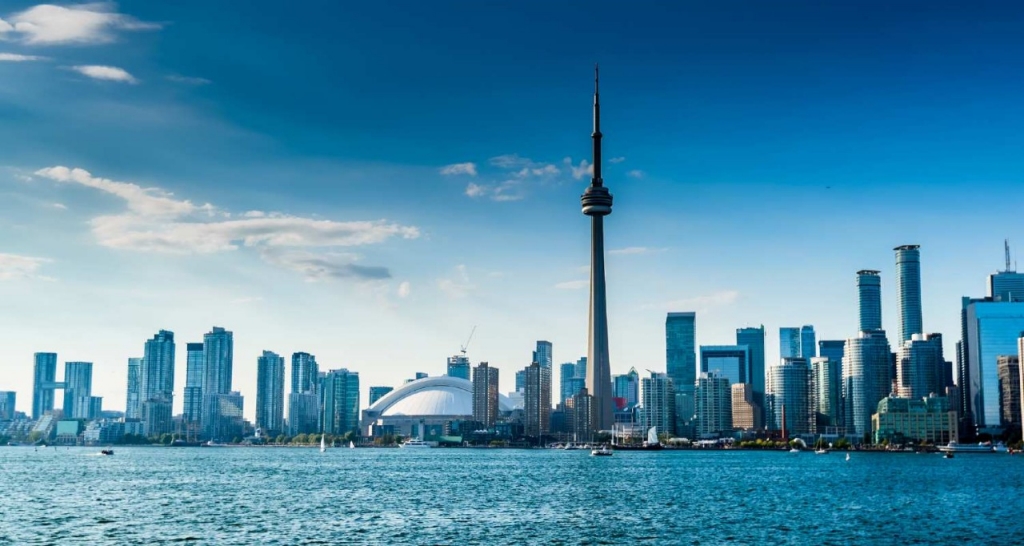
x=1006 y=246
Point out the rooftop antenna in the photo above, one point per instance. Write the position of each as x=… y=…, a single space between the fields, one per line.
x=1006 y=246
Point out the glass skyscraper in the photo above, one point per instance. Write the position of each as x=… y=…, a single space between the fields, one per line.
x=908 y=288
x=133 y=403
x=866 y=379
x=194 y=361
x=808 y=345
x=729 y=361
x=537 y=398
x=789 y=342
x=753 y=338
x=458 y=366
x=157 y=372
x=543 y=354
x=788 y=395
x=920 y=367
x=270 y=393
x=568 y=382
x=44 y=382
x=657 y=403
x=713 y=396
x=992 y=330
x=627 y=387
x=341 y=402
x=826 y=398
x=869 y=300
x=681 y=364
x=218 y=361
x=77 y=390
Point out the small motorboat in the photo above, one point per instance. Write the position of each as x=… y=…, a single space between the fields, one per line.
x=947 y=455
x=106 y=452
x=602 y=451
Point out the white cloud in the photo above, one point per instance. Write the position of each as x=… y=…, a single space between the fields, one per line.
x=699 y=303
x=404 y=289
x=635 y=173
x=189 y=80
x=47 y=24
x=616 y=160
x=107 y=73
x=459 y=168
x=59 y=206
x=509 y=161
x=13 y=266
x=156 y=221
x=634 y=250
x=578 y=172
x=16 y=58
x=509 y=190
x=458 y=286
x=573 y=285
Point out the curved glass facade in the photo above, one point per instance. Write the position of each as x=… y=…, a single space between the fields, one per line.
x=866 y=378
x=908 y=288
x=869 y=300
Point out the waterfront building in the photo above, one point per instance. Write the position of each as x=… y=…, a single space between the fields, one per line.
x=223 y=420
x=991 y=330
x=218 y=362
x=626 y=387
x=788 y=386
x=304 y=372
x=156 y=382
x=900 y=420
x=429 y=403
x=729 y=361
x=270 y=393
x=8 y=399
x=341 y=402
x=193 y=404
x=866 y=379
x=869 y=300
x=746 y=414
x=44 y=382
x=808 y=345
x=920 y=367
x=714 y=405
x=789 y=342
x=77 y=390
x=657 y=403
x=458 y=366
x=681 y=366
x=157 y=417
x=303 y=413
x=908 y=288
x=133 y=402
x=753 y=338
x=826 y=392
x=537 y=395
x=485 y=394
x=376 y=393
x=581 y=408
x=1008 y=370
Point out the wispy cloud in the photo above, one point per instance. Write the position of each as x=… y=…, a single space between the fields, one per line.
x=583 y=169
x=16 y=58
x=459 y=168
x=83 y=24
x=157 y=221
x=573 y=285
x=458 y=285
x=404 y=289
x=616 y=160
x=59 y=206
x=107 y=73
x=635 y=173
x=509 y=190
x=188 y=80
x=635 y=250
x=702 y=303
x=14 y=266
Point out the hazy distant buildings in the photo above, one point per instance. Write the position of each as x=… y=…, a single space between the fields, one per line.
x=869 y=300
x=657 y=403
x=303 y=401
x=681 y=366
x=521 y=381
x=44 y=382
x=156 y=380
x=729 y=361
x=376 y=393
x=543 y=354
x=78 y=390
x=537 y=395
x=866 y=379
x=458 y=366
x=133 y=400
x=193 y=403
x=746 y=414
x=218 y=363
x=1008 y=370
x=788 y=396
x=270 y=393
x=901 y=420
x=341 y=402
x=714 y=405
x=485 y=394
x=8 y=400
x=908 y=288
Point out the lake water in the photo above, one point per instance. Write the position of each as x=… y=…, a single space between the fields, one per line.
x=465 y=496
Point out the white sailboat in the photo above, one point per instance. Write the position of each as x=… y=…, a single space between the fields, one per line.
x=323 y=443
x=652 y=436
x=351 y=445
x=847 y=456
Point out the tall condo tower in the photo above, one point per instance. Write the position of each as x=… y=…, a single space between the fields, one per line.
x=869 y=300
x=908 y=287
x=597 y=203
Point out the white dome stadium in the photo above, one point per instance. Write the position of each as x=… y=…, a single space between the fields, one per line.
x=433 y=399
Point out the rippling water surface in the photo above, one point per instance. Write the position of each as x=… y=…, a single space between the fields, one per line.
x=464 y=496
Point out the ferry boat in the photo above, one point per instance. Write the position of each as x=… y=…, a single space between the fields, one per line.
x=417 y=444
x=954 y=447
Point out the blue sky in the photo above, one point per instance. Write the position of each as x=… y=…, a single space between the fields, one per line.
x=368 y=181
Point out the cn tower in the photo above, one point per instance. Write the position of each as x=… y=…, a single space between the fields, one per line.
x=597 y=203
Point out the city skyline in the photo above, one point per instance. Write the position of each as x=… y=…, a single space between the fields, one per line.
x=369 y=277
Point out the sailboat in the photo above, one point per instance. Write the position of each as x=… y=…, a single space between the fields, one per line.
x=847 y=456
x=323 y=443
x=351 y=445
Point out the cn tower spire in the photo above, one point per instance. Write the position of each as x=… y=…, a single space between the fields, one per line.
x=597 y=181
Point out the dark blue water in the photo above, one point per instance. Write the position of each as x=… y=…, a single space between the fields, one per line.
x=440 y=496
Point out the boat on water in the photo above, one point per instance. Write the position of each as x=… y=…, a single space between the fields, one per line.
x=821 y=451
x=794 y=450
x=847 y=456
x=947 y=455
x=351 y=445
x=603 y=451
x=953 y=447
x=323 y=443
x=651 y=444
x=106 y=452
x=417 y=444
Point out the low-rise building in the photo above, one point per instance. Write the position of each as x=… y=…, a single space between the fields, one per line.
x=900 y=420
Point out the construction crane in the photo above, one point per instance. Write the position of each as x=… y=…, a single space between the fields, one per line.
x=466 y=346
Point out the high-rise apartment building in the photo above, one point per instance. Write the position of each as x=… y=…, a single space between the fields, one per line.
x=714 y=405
x=657 y=403
x=789 y=342
x=1008 y=370
x=521 y=381
x=8 y=400
x=133 y=402
x=77 y=390
x=341 y=402
x=808 y=344
x=627 y=388
x=753 y=338
x=729 y=361
x=746 y=414
x=869 y=300
x=543 y=354
x=866 y=379
x=458 y=366
x=789 y=397
x=537 y=398
x=832 y=349
x=156 y=383
x=1006 y=285
x=304 y=372
x=270 y=393
x=44 y=375
x=566 y=385
x=826 y=392
x=218 y=363
x=485 y=394
x=920 y=367
x=991 y=330
x=908 y=288
x=681 y=366
x=193 y=404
